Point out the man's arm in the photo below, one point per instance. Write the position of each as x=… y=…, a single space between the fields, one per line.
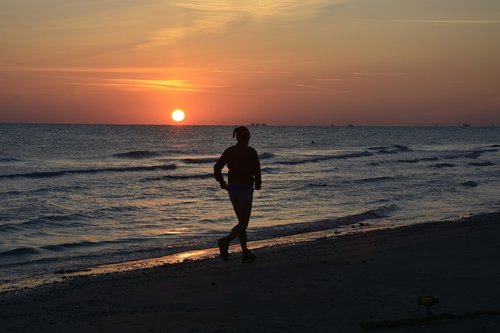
x=257 y=173
x=218 y=171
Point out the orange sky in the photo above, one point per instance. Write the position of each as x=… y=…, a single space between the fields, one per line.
x=367 y=62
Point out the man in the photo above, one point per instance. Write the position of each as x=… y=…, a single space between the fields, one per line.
x=244 y=172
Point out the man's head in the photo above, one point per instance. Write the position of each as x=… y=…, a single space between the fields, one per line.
x=242 y=134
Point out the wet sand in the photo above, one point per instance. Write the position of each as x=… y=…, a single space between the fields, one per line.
x=328 y=285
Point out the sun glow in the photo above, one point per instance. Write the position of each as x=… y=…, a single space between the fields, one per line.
x=178 y=115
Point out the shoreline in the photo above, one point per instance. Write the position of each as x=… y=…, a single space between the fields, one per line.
x=58 y=276
x=330 y=283
x=61 y=276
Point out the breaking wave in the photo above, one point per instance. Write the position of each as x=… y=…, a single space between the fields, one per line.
x=195 y=176
x=178 y=177
x=325 y=158
x=138 y=154
x=49 y=174
x=393 y=149
x=443 y=165
x=417 y=160
x=62 y=247
x=205 y=160
x=56 y=220
x=8 y=159
x=326 y=224
x=470 y=154
x=19 y=252
x=265 y=156
x=377 y=179
x=481 y=163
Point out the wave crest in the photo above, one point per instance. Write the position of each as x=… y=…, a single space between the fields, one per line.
x=203 y=160
x=392 y=149
x=265 y=156
x=443 y=165
x=49 y=174
x=481 y=163
x=326 y=158
x=137 y=154
x=376 y=179
x=326 y=224
x=8 y=159
x=19 y=252
x=178 y=177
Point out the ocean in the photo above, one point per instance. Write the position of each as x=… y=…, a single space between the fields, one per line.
x=77 y=196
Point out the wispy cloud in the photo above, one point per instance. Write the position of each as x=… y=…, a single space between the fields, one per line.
x=143 y=84
x=435 y=21
x=129 y=78
x=259 y=8
x=329 y=79
x=131 y=84
x=86 y=69
x=230 y=71
x=379 y=73
x=311 y=87
x=213 y=16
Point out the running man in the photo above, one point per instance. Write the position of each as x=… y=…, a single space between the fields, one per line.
x=244 y=171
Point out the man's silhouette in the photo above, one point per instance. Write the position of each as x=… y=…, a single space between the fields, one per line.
x=244 y=172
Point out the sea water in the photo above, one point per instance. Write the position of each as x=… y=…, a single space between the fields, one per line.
x=75 y=196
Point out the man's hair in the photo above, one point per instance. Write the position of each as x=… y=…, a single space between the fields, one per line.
x=241 y=133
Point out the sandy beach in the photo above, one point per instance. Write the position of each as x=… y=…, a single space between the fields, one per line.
x=328 y=285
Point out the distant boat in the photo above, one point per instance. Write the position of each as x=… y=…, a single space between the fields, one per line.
x=332 y=125
x=466 y=125
x=350 y=125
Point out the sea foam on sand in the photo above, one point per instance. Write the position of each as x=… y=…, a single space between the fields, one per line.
x=328 y=285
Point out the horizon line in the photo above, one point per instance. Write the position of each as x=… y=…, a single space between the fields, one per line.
x=255 y=124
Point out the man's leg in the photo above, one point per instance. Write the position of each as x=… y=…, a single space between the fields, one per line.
x=242 y=204
x=244 y=218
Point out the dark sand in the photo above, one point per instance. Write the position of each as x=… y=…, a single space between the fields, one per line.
x=329 y=285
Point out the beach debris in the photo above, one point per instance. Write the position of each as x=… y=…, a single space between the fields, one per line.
x=426 y=301
x=426 y=320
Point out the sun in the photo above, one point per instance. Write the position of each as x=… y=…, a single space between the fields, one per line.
x=178 y=115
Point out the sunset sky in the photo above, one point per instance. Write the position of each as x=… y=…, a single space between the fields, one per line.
x=366 y=62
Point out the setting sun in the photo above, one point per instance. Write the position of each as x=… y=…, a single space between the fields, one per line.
x=178 y=115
